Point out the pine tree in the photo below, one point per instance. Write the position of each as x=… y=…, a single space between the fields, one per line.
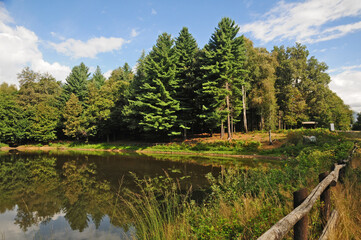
x=224 y=66
x=98 y=79
x=76 y=83
x=155 y=102
x=131 y=115
x=186 y=52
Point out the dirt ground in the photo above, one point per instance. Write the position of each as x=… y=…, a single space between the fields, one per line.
x=263 y=137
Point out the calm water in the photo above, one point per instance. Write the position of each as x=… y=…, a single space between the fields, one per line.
x=64 y=195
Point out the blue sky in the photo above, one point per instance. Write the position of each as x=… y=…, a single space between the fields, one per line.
x=53 y=36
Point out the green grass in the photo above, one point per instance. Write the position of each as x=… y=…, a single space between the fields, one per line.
x=243 y=203
x=3 y=145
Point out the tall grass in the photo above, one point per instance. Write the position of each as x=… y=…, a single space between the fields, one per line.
x=347 y=201
x=161 y=210
x=241 y=204
x=157 y=209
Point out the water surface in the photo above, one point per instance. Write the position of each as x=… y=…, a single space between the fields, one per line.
x=67 y=195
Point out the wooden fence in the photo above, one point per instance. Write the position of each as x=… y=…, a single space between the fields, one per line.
x=298 y=218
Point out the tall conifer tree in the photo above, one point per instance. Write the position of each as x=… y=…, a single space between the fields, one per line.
x=98 y=78
x=155 y=102
x=77 y=83
x=224 y=66
x=186 y=49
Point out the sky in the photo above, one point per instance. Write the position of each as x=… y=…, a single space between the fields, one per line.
x=54 y=36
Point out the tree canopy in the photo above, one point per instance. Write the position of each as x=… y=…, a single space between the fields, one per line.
x=177 y=88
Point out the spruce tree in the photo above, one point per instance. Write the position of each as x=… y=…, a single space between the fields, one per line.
x=186 y=52
x=155 y=102
x=98 y=79
x=131 y=115
x=76 y=83
x=224 y=67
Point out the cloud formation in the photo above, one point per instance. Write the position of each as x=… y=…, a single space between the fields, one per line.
x=19 y=48
x=89 y=49
x=306 y=22
x=346 y=83
x=134 y=33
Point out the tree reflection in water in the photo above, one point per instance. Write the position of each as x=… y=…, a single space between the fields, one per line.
x=41 y=186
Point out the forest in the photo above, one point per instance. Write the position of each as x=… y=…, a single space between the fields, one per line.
x=175 y=90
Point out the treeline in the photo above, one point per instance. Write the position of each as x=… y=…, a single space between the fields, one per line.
x=177 y=88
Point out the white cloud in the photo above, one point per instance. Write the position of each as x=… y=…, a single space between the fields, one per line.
x=4 y=15
x=19 y=48
x=344 y=68
x=347 y=85
x=78 y=49
x=58 y=36
x=154 y=12
x=306 y=22
x=108 y=73
x=134 y=33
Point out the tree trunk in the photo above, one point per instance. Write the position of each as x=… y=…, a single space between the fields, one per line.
x=108 y=138
x=229 y=130
x=244 y=109
x=222 y=130
x=279 y=120
x=262 y=122
x=232 y=126
x=185 y=133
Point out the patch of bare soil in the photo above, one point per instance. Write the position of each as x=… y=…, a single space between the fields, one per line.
x=277 y=138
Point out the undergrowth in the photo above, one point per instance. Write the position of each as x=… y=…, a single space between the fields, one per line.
x=241 y=203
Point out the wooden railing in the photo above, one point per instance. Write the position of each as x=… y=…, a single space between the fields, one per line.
x=303 y=204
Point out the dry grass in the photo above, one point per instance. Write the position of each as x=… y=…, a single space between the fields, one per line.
x=278 y=138
x=347 y=200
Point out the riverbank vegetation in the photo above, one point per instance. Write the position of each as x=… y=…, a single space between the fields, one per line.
x=242 y=203
x=177 y=89
x=346 y=200
x=237 y=202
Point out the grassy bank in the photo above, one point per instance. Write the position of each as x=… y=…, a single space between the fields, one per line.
x=346 y=198
x=242 y=203
x=243 y=144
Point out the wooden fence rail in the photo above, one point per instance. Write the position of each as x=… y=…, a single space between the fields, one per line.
x=283 y=226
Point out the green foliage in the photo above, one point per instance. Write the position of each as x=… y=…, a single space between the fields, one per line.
x=186 y=50
x=44 y=123
x=223 y=77
x=176 y=89
x=234 y=146
x=261 y=81
x=76 y=83
x=98 y=79
x=74 y=121
x=10 y=114
x=155 y=102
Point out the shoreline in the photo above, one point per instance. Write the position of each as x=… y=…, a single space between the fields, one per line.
x=50 y=148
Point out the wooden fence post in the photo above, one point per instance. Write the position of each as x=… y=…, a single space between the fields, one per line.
x=301 y=227
x=325 y=200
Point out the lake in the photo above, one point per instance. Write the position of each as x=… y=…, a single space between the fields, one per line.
x=72 y=195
